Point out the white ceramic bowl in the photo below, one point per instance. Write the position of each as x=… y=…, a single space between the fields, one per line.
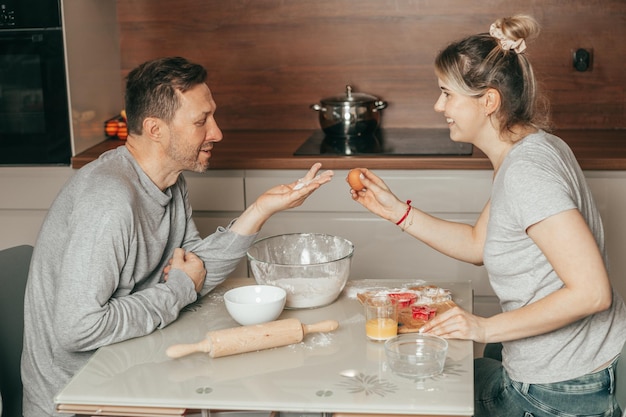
x=312 y=267
x=416 y=355
x=255 y=304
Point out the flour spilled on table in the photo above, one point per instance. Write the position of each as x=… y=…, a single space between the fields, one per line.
x=314 y=341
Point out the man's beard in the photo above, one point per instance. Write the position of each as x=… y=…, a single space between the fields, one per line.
x=187 y=156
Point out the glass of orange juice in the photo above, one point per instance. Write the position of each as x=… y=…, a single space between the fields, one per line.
x=381 y=317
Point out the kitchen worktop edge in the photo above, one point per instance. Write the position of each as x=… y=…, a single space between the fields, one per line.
x=270 y=149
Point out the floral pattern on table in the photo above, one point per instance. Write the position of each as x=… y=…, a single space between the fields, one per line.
x=367 y=384
x=359 y=382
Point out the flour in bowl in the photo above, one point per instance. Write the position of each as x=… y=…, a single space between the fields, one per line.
x=310 y=292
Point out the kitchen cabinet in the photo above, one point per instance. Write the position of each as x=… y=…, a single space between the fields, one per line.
x=216 y=198
x=27 y=192
x=609 y=190
x=382 y=250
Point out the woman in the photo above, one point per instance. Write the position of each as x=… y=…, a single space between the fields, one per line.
x=539 y=236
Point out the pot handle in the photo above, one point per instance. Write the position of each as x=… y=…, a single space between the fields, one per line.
x=379 y=105
x=317 y=107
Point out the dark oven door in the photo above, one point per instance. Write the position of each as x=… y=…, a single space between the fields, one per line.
x=34 y=111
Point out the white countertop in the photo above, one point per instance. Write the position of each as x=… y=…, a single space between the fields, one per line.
x=337 y=372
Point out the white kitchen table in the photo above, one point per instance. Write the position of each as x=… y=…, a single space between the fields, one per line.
x=340 y=373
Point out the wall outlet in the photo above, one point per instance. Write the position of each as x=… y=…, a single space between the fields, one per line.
x=582 y=59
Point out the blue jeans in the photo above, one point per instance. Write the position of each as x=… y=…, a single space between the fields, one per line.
x=496 y=395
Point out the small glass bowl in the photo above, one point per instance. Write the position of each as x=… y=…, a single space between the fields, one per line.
x=416 y=355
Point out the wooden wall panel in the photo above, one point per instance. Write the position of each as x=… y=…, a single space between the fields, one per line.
x=268 y=60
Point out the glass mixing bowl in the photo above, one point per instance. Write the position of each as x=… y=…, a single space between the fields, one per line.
x=312 y=267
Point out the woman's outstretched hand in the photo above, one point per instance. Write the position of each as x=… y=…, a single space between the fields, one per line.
x=377 y=197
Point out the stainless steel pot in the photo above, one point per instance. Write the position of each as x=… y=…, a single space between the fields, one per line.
x=349 y=115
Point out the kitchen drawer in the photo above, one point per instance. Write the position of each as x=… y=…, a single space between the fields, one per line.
x=31 y=188
x=609 y=191
x=207 y=223
x=20 y=227
x=382 y=251
x=218 y=190
x=436 y=191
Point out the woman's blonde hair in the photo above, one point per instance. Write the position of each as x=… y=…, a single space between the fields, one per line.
x=477 y=63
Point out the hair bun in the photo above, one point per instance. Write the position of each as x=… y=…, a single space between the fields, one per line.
x=513 y=32
x=506 y=43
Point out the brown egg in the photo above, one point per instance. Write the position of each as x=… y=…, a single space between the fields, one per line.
x=354 y=179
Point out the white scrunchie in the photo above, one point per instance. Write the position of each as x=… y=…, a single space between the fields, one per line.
x=507 y=44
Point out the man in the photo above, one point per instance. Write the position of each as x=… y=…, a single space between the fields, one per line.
x=119 y=255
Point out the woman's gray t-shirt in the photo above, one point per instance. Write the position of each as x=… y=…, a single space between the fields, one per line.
x=539 y=178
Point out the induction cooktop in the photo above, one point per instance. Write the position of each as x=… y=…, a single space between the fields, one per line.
x=388 y=142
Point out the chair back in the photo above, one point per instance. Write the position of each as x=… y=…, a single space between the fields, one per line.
x=14 y=264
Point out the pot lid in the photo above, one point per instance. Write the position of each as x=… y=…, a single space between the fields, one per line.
x=350 y=97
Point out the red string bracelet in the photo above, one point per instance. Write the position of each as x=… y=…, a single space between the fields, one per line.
x=408 y=210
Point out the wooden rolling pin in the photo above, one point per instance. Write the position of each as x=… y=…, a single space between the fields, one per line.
x=251 y=338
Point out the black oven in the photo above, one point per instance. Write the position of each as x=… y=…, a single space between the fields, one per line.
x=34 y=110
